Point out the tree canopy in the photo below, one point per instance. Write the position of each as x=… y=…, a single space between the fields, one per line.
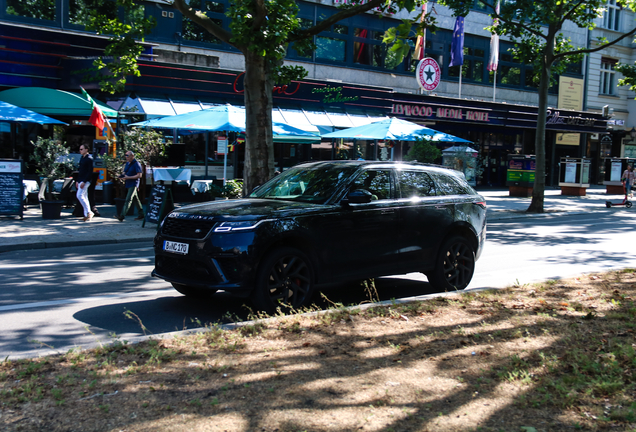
x=262 y=31
x=538 y=30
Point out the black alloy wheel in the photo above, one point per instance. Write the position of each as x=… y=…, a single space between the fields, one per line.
x=455 y=265
x=193 y=292
x=285 y=281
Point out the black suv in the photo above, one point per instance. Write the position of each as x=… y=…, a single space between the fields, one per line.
x=326 y=222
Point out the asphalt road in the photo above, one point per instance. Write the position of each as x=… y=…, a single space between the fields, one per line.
x=55 y=299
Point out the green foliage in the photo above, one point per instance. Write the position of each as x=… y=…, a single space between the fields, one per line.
x=50 y=157
x=148 y=145
x=123 y=50
x=423 y=151
x=629 y=75
x=114 y=165
x=233 y=189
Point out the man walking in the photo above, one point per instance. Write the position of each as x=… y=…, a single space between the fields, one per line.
x=132 y=174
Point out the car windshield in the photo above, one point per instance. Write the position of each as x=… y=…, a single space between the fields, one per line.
x=312 y=184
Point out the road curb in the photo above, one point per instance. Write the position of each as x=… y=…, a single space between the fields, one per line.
x=51 y=245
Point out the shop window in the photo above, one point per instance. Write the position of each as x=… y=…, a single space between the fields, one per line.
x=510 y=75
x=331 y=49
x=607 y=85
x=38 y=9
x=473 y=67
x=361 y=46
x=611 y=16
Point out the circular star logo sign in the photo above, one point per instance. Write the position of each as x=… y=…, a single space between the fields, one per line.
x=428 y=74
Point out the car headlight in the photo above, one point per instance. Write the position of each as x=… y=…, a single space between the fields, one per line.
x=236 y=226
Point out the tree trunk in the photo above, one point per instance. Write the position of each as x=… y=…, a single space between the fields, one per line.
x=538 y=192
x=259 y=146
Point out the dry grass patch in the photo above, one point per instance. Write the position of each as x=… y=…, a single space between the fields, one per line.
x=557 y=356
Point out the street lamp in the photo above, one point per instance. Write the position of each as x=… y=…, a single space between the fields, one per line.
x=632 y=133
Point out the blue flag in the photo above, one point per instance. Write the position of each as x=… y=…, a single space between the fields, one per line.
x=457 y=47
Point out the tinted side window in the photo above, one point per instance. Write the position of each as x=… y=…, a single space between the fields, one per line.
x=378 y=182
x=447 y=185
x=415 y=184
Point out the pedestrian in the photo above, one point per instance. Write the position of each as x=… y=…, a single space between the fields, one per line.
x=84 y=181
x=628 y=180
x=131 y=175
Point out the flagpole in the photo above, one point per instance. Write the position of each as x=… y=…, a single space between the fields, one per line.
x=494 y=87
x=460 y=81
x=111 y=129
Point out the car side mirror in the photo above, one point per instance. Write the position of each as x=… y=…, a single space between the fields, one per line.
x=358 y=196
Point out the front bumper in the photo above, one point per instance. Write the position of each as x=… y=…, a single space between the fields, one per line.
x=220 y=261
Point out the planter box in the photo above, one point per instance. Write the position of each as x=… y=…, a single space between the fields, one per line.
x=615 y=190
x=520 y=191
x=51 y=209
x=573 y=190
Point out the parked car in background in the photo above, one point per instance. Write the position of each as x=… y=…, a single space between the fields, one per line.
x=326 y=222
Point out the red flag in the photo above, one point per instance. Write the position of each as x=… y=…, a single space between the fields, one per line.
x=97 y=116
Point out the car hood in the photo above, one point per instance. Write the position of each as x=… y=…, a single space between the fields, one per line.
x=244 y=209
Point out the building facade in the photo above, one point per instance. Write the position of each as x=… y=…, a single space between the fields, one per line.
x=602 y=90
x=352 y=79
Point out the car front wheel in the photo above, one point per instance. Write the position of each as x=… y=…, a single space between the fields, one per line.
x=285 y=280
x=454 y=266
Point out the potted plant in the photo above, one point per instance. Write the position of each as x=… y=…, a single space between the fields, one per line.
x=233 y=189
x=51 y=158
x=148 y=146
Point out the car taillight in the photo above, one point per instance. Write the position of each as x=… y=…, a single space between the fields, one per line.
x=481 y=204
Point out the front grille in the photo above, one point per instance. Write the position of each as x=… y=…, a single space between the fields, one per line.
x=184 y=269
x=229 y=268
x=186 y=228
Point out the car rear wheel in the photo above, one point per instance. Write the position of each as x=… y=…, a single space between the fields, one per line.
x=193 y=292
x=285 y=280
x=455 y=265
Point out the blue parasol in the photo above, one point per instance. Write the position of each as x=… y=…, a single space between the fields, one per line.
x=393 y=129
x=12 y=113
x=221 y=118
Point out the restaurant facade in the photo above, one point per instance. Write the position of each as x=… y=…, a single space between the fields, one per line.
x=173 y=81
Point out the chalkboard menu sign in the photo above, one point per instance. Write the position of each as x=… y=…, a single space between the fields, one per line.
x=160 y=203
x=11 y=187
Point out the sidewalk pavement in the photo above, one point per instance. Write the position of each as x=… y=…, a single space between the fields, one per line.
x=33 y=232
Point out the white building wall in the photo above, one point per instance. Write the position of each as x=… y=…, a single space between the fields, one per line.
x=622 y=104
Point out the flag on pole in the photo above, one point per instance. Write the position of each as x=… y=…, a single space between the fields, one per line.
x=457 y=46
x=494 y=45
x=97 y=117
x=420 y=44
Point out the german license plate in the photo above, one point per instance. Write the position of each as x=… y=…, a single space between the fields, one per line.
x=174 y=247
